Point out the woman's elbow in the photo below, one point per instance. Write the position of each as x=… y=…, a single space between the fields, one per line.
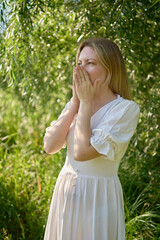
x=51 y=149
x=76 y=157
x=46 y=149
x=79 y=157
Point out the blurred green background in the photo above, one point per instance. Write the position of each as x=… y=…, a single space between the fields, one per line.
x=38 y=44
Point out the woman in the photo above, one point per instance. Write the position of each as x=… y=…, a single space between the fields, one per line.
x=97 y=125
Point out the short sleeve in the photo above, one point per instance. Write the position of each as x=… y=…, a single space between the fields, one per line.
x=53 y=122
x=112 y=136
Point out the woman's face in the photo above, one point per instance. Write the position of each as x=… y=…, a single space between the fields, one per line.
x=90 y=62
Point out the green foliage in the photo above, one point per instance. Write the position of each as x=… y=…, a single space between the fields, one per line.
x=37 y=51
x=28 y=175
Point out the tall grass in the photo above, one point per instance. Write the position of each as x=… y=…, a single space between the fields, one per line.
x=28 y=176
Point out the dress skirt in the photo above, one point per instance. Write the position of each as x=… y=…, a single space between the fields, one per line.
x=86 y=208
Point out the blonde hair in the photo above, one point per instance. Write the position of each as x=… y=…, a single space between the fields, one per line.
x=111 y=58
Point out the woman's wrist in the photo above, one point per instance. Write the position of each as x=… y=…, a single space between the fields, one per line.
x=86 y=106
x=75 y=104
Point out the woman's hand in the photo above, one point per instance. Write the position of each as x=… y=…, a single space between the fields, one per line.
x=75 y=98
x=84 y=87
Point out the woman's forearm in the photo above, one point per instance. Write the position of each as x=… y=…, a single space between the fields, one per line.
x=55 y=137
x=82 y=130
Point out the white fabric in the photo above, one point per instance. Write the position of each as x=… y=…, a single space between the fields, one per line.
x=87 y=202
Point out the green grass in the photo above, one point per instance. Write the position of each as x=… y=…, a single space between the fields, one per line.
x=28 y=176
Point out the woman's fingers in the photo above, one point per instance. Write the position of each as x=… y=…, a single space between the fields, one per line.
x=74 y=76
x=77 y=80
x=79 y=75
x=85 y=90
x=85 y=75
x=82 y=75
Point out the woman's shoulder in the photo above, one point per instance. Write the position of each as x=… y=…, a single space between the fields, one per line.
x=122 y=108
x=124 y=104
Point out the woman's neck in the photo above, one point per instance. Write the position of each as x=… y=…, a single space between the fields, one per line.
x=102 y=98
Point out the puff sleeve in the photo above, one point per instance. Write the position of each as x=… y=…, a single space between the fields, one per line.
x=53 y=122
x=112 y=135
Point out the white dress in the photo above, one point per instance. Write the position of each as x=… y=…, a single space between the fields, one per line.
x=87 y=202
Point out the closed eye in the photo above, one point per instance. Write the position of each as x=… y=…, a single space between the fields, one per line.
x=90 y=63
